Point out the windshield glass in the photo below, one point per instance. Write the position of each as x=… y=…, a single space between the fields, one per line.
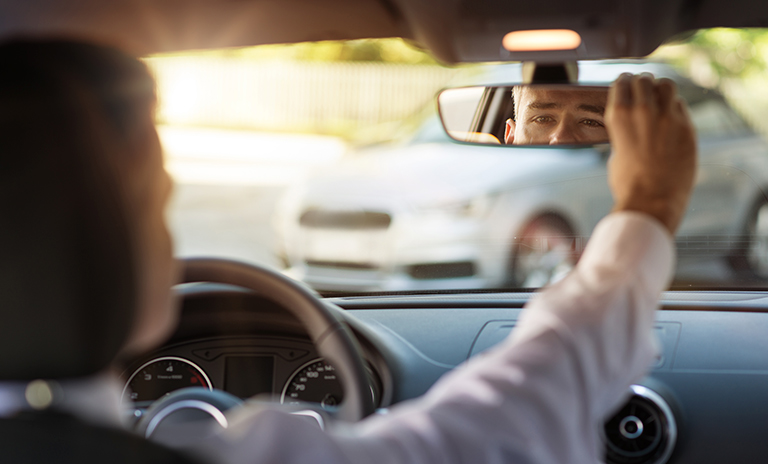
x=328 y=162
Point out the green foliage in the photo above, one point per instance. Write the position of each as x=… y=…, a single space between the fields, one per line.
x=381 y=50
x=396 y=51
x=733 y=52
x=733 y=61
x=717 y=55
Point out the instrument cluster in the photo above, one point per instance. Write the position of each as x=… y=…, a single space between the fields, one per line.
x=281 y=369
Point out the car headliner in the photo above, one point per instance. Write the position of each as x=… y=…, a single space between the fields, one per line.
x=454 y=30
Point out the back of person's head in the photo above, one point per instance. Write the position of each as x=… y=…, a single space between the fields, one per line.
x=72 y=116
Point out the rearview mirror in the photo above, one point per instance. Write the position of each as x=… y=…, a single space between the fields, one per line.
x=525 y=114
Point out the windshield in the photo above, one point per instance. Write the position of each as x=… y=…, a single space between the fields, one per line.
x=328 y=162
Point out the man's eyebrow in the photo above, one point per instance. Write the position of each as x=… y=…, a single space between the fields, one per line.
x=537 y=105
x=592 y=109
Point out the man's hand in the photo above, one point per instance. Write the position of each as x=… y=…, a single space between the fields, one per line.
x=653 y=163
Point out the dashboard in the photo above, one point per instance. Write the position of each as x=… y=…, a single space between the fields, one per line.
x=705 y=398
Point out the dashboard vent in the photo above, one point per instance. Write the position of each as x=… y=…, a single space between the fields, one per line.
x=642 y=432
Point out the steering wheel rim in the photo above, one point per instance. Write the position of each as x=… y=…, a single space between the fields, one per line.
x=328 y=333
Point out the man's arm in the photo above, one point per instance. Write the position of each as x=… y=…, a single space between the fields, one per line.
x=543 y=394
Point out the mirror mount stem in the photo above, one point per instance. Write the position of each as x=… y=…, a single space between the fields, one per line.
x=550 y=73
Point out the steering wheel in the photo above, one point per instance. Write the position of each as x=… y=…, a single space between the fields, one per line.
x=330 y=336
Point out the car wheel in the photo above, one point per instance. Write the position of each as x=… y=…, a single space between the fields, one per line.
x=543 y=253
x=750 y=259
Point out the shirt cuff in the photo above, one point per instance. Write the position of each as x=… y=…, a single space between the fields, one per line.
x=627 y=239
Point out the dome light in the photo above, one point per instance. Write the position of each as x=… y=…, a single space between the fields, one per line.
x=541 y=40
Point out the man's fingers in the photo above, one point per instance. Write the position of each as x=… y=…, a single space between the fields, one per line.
x=642 y=90
x=621 y=92
x=682 y=109
x=652 y=165
x=666 y=94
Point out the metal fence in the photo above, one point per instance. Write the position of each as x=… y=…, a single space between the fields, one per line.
x=283 y=95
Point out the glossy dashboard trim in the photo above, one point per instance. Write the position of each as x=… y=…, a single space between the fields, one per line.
x=748 y=301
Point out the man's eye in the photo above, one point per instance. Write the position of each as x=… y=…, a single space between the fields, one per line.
x=592 y=123
x=543 y=119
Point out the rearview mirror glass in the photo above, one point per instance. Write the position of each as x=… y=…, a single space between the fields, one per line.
x=525 y=114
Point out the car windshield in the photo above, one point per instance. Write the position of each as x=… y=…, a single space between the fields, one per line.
x=327 y=161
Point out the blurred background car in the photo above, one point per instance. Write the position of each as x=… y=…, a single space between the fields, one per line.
x=434 y=214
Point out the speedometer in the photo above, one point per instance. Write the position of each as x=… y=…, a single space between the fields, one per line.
x=160 y=376
x=314 y=382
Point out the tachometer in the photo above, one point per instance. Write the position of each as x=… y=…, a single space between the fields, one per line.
x=160 y=376
x=314 y=382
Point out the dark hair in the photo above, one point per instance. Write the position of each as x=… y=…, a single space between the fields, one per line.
x=68 y=111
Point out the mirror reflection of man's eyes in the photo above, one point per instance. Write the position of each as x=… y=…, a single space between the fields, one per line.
x=556 y=117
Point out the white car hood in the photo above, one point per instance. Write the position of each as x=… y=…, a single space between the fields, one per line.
x=436 y=174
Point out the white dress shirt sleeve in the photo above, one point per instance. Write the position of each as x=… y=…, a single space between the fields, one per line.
x=539 y=397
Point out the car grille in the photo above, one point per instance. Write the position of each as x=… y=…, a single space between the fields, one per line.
x=345 y=219
x=442 y=270
x=342 y=265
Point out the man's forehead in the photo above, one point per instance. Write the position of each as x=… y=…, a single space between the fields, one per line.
x=559 y=97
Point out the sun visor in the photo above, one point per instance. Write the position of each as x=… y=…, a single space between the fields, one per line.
x=145 y=27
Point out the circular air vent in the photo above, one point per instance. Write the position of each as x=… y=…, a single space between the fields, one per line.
x=642 y=432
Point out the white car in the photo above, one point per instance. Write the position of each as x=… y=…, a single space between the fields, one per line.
x=434 y=214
